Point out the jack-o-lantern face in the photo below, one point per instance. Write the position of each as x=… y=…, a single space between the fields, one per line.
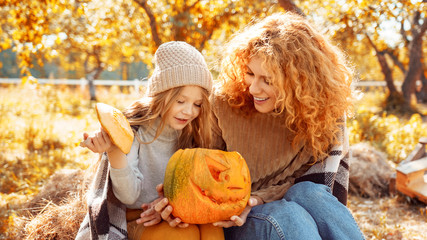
x=205 y=186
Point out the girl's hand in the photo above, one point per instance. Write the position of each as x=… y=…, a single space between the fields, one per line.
x=240 y=220
x=150 y=216
x=98 y=142
x=165 y=210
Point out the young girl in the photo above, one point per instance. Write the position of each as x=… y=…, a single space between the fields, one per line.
x=283 y=93
x=174 y=114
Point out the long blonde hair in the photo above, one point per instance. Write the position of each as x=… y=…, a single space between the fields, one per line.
x=311 y=76
x=146 y=110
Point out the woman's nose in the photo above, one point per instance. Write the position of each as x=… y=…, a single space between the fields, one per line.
x=254 y=87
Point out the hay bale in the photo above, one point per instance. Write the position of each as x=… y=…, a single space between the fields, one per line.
x=56 y=221
x=370 y=171
x=60 y=186
x=57 y=210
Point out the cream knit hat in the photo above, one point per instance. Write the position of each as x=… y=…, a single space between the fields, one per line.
x=178 y=64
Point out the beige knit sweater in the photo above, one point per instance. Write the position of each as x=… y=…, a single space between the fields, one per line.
x=263 y=141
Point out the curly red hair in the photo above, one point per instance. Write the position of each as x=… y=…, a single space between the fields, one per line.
x=310 y=74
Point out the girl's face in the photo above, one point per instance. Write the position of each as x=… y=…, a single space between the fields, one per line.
x=260 y=87
x=186 y=107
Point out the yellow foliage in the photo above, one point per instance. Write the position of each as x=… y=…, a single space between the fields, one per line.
x=396 y=136
x=103 y=34
x=6 y=44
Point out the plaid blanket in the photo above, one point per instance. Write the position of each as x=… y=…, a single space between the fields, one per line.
x=106 y=217
x=334 y=170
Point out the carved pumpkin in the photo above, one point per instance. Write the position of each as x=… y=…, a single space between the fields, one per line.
x=206 y=186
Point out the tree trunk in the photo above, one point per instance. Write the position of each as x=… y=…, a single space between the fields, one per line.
x=415 y=68
x=422 y=96
x=91 y=76
x=124 y=71
x=289 y=5
x=395 y=102
x=91 y=84
x=153 y=24
x=385 y=69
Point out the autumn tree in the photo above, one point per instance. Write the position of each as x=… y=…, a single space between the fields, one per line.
x=413 y=39
x=365 y=22
x=139 y=27
x=25 y=27
x=99 y=35
x=198 y=22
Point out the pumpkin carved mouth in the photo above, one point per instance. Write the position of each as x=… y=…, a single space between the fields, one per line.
x=208 y=196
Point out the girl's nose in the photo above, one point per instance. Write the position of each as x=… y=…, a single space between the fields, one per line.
x=188 y=109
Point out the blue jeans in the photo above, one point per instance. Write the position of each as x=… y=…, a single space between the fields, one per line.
x=307 y=211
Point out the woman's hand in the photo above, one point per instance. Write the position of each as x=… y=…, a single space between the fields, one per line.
x=165 y=211
x=98 y=142
x=240 y=220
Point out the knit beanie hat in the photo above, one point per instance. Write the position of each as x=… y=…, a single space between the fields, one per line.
x=178 y=64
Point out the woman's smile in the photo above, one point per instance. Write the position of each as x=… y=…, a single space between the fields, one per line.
x=260 y=100
x=258 y=80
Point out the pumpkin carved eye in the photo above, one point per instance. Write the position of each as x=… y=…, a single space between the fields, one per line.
x=216 y=168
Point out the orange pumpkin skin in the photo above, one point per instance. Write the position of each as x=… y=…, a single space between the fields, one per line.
x=163 y=231
x=206 y=185
x=210 y=232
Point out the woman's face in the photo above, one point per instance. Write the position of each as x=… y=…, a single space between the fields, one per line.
x=186 y=107
x=260 y=87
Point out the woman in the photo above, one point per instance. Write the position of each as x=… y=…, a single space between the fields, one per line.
x=281 y=101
